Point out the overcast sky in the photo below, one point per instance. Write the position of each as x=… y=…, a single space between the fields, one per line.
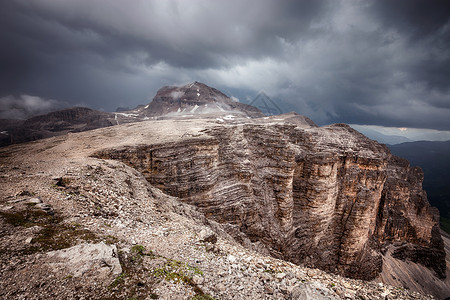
x=383 y=62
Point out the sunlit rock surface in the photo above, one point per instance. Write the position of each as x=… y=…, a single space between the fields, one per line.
x=326 y=197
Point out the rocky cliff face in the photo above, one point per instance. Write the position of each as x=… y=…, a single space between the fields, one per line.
x=279 y=185
x=406 y=222
x=324 y=197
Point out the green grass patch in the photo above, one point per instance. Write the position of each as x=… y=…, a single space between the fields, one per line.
x=53 y=235
x=133 y=282
x=118 y=280
x=28 y=218
x=180 y=272
x=194 y=269
x=60 y=236
x=272 y=271
x=173 y=270
x=138 y=252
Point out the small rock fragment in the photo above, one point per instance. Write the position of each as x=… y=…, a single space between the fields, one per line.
x=197 y=279
x=34 y=201
x=208 y=236
x=219 y=287
x=268 y=289
x=43 y=206
x=231 y=258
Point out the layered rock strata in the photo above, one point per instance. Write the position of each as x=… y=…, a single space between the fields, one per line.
x=324 y=197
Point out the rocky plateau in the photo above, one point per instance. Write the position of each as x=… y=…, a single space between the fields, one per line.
x=219 y=205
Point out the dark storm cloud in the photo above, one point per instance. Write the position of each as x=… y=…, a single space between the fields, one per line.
x=53 y=47
x=366 y=62
x=183 y=34
x=417 y=18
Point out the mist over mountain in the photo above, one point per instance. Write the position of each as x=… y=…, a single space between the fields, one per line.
x=380 y=137
x=55 y=123
x=395 y=135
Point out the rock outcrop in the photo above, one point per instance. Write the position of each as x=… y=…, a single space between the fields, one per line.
x=323 y=197
x=86 y=258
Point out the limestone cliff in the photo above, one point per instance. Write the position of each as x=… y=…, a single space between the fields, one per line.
x=268 y=181
x=325 y=197
x=407 y=221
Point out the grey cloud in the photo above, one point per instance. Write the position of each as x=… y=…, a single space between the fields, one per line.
x=358 y=71
x=26 y=106
x=417 y=18
x=181 y=33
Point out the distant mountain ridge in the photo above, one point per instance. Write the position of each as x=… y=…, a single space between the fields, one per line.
x=59 y=122
x=171 y=102
x=434 y=159
x=380 y=137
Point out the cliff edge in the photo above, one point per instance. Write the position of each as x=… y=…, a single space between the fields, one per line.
x=324 y=197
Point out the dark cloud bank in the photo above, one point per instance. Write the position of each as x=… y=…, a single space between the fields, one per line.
x=362 y=62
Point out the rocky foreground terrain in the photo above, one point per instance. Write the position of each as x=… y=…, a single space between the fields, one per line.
x=225 y=208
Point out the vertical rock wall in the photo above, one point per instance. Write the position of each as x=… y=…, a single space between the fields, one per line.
x=325 y=197
x=406 y=222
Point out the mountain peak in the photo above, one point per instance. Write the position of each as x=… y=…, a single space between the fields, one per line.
x=195 y=99
x=195 y=92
